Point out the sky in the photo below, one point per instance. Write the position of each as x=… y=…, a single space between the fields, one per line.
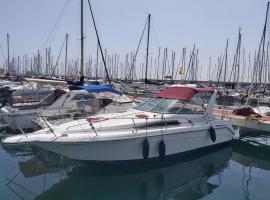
x=175 y=24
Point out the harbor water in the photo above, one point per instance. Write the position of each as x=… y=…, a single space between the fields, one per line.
x=240 y=170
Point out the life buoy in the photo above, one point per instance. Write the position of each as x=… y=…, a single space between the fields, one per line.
x=212 y=133
x=145 y=148
x=162 y=149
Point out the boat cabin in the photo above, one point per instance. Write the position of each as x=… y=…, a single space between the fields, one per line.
x=178 y=100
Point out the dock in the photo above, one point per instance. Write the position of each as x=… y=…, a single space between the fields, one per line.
x=260 y=124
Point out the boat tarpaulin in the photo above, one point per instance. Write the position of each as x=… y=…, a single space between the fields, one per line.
x=182 y=93
x=96 y=88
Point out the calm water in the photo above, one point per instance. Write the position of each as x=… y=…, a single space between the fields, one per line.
x=237 y=171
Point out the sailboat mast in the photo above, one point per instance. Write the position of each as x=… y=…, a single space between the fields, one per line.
x=82 y=42
x=99 y=45
x=147 y=48
x=263 y=41
x=226 y=62
x=8 y=61
x=66 y=54
x=97 y=62
x=238 y=57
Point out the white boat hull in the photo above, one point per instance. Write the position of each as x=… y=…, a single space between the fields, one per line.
x=132 y=148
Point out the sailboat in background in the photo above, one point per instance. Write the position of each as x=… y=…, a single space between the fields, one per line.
x=68 y=103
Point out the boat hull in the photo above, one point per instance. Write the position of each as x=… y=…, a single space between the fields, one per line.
x=133 y=148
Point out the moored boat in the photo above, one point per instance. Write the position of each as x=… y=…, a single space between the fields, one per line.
x=175 y=121
x=60 y=106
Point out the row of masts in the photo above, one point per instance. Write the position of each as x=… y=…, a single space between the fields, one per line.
x=165 y=66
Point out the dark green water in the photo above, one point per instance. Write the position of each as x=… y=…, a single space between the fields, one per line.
x=237 y=171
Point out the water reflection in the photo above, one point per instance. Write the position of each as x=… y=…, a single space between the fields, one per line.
x=44 y=162
x=178 y=178
x=252 y=151
x=238 y=171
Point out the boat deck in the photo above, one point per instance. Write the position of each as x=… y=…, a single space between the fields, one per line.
x=261 y=124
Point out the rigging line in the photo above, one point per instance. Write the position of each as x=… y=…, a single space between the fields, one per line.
x=178 y=68
x=99 y=45
x=189 y=65
x=222 y=59
x=2 y=51
x=134 y=58
x=268 y=26
x=58 y=20
x=56 y=64
x=155 y=40
x=260 y=54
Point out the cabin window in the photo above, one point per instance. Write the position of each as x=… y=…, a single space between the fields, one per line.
x=148 y=104
x=172 y=106
x=82 y=97
x=165 y=105
x=142 y=104
x=201 y=98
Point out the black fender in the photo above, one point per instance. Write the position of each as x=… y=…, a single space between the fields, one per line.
x=212 y=133
x=145 y=148
x=162 y=149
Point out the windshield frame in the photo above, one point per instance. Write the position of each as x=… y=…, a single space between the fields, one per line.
x=171 y=105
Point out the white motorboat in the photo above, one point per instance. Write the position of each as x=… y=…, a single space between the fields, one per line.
x=58 y=106
x=21 y=115
x=175 y=121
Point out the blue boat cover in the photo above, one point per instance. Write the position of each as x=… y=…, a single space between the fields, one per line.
x=97 y=88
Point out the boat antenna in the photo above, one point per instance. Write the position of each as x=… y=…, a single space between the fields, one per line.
x=99 y=45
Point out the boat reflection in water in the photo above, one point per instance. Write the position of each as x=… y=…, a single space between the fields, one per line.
x=44 y=162
x=180 y=177
x=241 y=168
x=252 y=152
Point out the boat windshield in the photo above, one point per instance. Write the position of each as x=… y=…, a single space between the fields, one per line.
x=171 y=106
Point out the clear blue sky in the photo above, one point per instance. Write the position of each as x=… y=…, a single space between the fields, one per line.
x=176 y=24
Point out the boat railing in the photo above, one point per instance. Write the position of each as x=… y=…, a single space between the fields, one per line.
x=134 y=125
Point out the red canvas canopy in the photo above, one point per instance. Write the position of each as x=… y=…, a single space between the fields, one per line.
x=182 y=93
